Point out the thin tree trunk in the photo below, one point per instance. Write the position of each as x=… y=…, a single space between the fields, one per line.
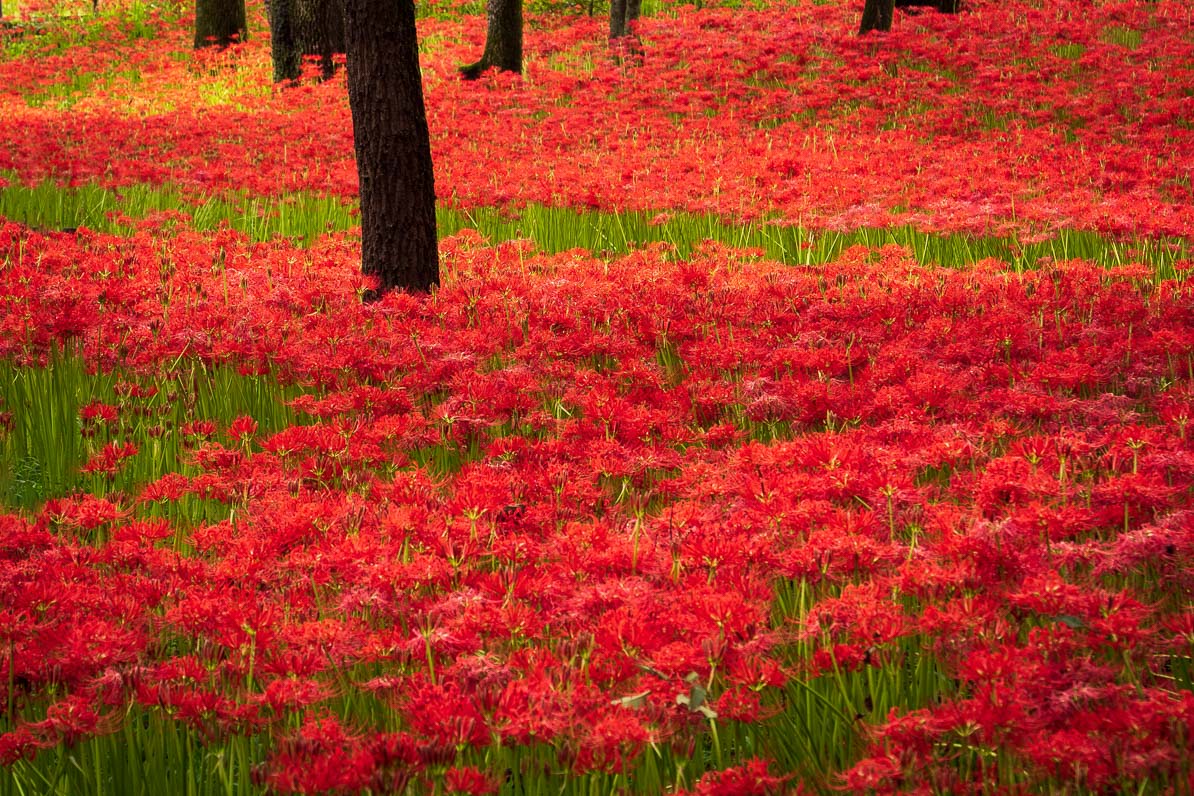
x=327 y=39
x=623 y=14
x=219 y=22
x=305 y=27
x=393 y=148
x=634 y=9
x=503 y=39
x=617 y=19
x=877 y=15
x=284 y=50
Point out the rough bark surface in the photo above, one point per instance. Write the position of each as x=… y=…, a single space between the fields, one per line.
x=622 y=36
x=393 y=148
x=617 y=19
x=219 y=22
x=305 y=27
x=284 y=51
x=503 y=39
x=877 y=15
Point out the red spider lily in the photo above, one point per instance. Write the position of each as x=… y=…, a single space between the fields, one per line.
x=322 y=757
x=86 y=512
x=99 y=412
x=751 y=778
x=242 y=428
x=110 y=459
x=470 y=780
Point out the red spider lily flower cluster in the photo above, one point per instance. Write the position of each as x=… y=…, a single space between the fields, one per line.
x=1067 y=116
x=990 y=467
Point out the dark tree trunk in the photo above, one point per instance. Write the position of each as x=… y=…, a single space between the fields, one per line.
x=623 y=14
x=503 y=39
x=305 y=27
x=327 y=39
x=284 y=50
x=219 y=22
x=876 y=15
x=946 y=6
x=393 y=148
x=617 y=19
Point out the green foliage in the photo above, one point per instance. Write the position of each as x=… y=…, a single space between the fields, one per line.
x=305 y=217
x=150 y=754
x=49 y=441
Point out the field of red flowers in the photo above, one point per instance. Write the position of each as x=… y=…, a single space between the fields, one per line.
x=669 y=521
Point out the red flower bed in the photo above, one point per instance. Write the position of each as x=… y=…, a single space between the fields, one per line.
x=984 y=473
x=1006 y=117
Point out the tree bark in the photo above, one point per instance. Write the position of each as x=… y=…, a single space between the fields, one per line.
x=219 y=22
x=305 y=27
x=503 y=39
x=284 y=51
x=393 y=148
x=877 y=15
x=623 y=14
x=617 y=19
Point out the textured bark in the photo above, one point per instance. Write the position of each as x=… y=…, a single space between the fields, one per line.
x=219 y=22
x=393 y=148
x=876 y=15
x=617 y=19
x=622 y=36
x=284 y=50
x=503 y=39
x=305 y=27
x=622 y=16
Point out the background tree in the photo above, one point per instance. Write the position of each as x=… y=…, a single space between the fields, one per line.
x=220 y=22
x=503 y=39
x=622 y=16
x=877 y=15
x=944 y=6
x=393 y=148
x=305 y=27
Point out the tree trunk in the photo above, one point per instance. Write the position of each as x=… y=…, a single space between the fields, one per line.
x=876 y=15
x=503 y=39
x=393 y=148
x=305 y=27
x=219 y=22
x=623 y=14
x=329 y=19
x=284 y=50
x=617 y=19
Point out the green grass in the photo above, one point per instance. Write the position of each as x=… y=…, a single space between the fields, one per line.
x=148 y=755
x=41 y=454
x=304 y=217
